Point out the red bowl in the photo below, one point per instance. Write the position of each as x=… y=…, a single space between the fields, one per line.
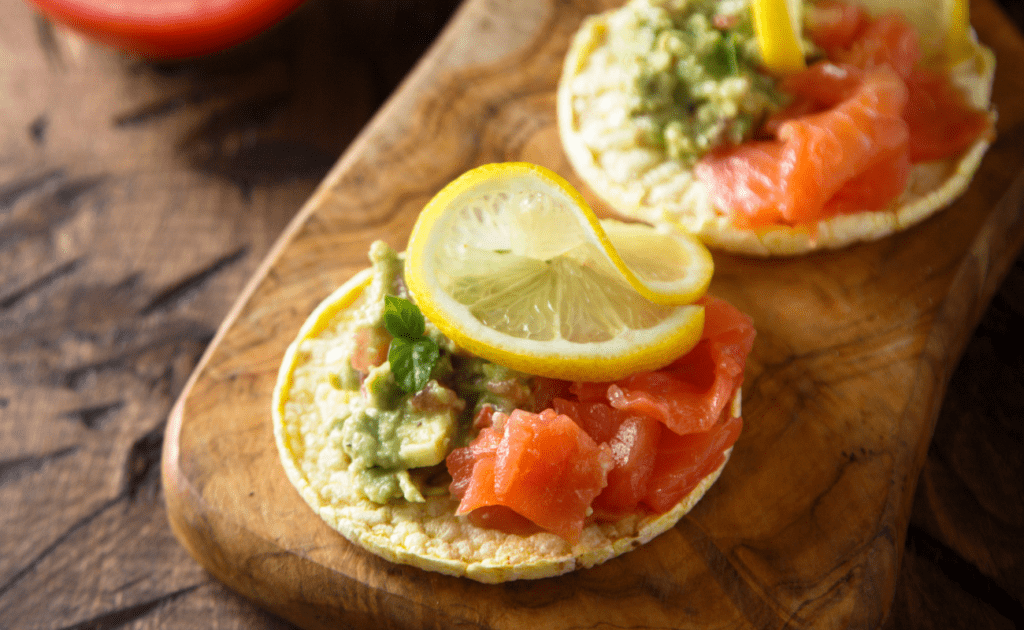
x=168 y=28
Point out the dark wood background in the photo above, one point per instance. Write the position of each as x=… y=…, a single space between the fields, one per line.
x=137 y=198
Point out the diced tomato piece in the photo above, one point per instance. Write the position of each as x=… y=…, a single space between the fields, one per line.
x=722 y=21
x=483 y=416
x=372 y=344
x=436 y=397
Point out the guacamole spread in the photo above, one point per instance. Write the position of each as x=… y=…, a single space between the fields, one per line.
x=690 y=71
x=396 y=442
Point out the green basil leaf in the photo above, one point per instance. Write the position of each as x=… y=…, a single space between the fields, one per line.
x=400 y=359
x=402 y=318
x=412 y=361
x=425 y=355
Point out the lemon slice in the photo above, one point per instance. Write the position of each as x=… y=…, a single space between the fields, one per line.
x=511 y=263
x=777 y=26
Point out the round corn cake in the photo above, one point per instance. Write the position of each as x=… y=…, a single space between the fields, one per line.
x=427 y=535
x=642 y=182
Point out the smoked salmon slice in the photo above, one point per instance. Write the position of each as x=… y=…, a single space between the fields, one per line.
x=861 y=141
x=690 y=394
x=543 y=467
x=633 y=440
x=836 y=25
x=940 y=120
x=607 y=450
x=684 y=460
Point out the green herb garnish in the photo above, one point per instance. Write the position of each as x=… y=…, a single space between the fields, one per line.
x=723 y=61
x=412 y=354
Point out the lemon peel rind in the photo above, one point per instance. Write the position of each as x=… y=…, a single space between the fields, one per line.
x=667 y=194
x=429 y=535
x=676 y=335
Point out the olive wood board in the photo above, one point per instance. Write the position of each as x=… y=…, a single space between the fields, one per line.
x=805 y=527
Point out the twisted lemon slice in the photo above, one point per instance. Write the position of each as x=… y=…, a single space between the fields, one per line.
x=511 y=263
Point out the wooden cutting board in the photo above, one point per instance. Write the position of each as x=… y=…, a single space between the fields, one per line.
x=806 y=526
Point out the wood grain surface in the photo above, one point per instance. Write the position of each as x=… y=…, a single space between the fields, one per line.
x=136 y=199
x=805 y=526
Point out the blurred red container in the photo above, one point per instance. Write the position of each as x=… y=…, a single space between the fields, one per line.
x=168 y=28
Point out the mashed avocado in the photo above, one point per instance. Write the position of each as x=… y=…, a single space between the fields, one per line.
x=396 y=441
x=690 y=68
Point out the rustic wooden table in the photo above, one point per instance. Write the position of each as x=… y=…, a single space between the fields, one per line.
x=137 y=198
